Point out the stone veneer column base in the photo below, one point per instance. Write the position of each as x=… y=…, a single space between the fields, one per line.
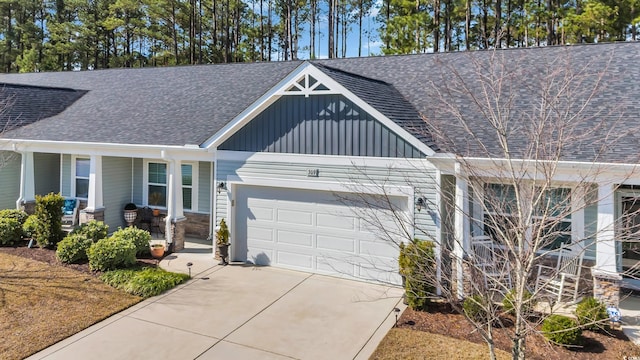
x=606 y=287
x=467 y=285
x=177 y=233
x=87 y=215
x=28 y=206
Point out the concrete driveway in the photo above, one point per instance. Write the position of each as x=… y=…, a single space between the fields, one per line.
x=244 y=312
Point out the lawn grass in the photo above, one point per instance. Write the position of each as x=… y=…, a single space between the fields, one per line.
x=41 y=304
x=408 y=344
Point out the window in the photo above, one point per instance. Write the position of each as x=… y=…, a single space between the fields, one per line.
x=81 y=174
x=187 y=186
x=551 y=220
x=157 y=184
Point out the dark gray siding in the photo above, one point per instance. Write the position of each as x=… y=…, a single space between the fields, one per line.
x=319 y=124
x=46 y=171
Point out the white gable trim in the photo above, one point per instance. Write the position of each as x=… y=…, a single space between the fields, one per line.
x=292 y=80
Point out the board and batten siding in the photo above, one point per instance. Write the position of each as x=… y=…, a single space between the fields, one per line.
x=421 y=178
x=10 y=180
x=319 y=124
x=46 y=172
x=204 y=187
x=116 y=189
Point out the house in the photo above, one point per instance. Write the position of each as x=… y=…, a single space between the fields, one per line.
x=299 y=156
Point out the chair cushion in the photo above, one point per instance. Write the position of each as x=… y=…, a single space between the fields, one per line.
x=69 y=206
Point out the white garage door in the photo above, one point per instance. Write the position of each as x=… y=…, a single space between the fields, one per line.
x=315 y=231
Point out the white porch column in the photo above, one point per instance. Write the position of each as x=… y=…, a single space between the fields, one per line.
x=95 y=200
x=175 y=213
x=461 y=227
x=605 y=236
x=27 y=179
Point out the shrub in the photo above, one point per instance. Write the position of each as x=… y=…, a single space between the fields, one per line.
x=94 y=230
x=73 y=248
x=10 y=231
x=474 y=308
x=417 y=266
x=591 y=314
x=49 y=226
x=561 y=330
x=19 y=215
x=509 y=301
x=140 y=238
x=30 y=226
x=111 y=253
x=143 y=282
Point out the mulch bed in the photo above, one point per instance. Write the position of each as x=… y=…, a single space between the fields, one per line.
x=49 y=256
x=442 y=319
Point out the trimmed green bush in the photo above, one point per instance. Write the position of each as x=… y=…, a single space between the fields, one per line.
x=561 y=330
x=73 y=248
x=94 y=230
x=10 y=231
x=417 y=267
x=592 y=314
x=473 y=307
x=509 y=301
x=19 y=215
x=49 y=226
x=140 y=238
x=143 y=282
x=111 y=253
x=30 y=226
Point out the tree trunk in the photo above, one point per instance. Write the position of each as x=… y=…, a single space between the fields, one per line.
x=436 y=26
x=331 y=4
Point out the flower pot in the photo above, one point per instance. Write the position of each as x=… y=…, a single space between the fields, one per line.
x=157 y=251
x=223 y=250
x=130 y=216
x=156 y=212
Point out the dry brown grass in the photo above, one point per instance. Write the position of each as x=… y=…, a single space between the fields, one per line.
x=41 y=304
x=409 y=344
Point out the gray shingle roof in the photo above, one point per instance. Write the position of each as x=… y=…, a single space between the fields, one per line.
x=162 y=106
x=608 y=131
x=187 y=105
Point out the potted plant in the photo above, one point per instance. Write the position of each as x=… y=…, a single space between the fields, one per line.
x=222 y=242
x=130 y=213
x=157 y=250
x=154 y=200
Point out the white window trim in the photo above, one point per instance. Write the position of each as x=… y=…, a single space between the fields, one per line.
x=195 y=174
x=145 y=183
x=74 y=158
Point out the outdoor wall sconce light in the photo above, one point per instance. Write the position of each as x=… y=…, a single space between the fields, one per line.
x=221 y=186
x=420 y=203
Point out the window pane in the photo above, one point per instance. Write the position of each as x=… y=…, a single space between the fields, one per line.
x=186 y=198
x=157 y=173
x=157 y=195
x=187 y=174
x=82 y=167
x=558 y=234
x=500 y=198
x=82 y=188
x=556 y=202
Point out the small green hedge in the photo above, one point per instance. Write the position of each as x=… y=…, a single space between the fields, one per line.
x=509 y=301
x=94 y=230
x=473 y=307
x=73 y=248
x=19 y=215
x=562 y=330
x=30 y=226
x=417 y=266
x=10 y=231
x=111 y=253
x=140 y=238
x=592 y=314
x=49 y=226
x=143 y=282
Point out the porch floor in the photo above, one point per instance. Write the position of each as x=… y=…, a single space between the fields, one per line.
x=198 y=252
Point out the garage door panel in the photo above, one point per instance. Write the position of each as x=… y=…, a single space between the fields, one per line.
x=336 y=221
x=297 y=217
x=335 y=243
x=382 y=272
x=336 y=266
x=295 y=259
x=260 y=256
x=294 y=238
x=259 y=233
x=377 y=248
x=261 y=213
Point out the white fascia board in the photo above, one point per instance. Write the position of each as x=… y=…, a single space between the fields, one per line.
x=187 y=152
x=346 y=187
x=338 y=160
x=566 y=171
x=335 y=88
